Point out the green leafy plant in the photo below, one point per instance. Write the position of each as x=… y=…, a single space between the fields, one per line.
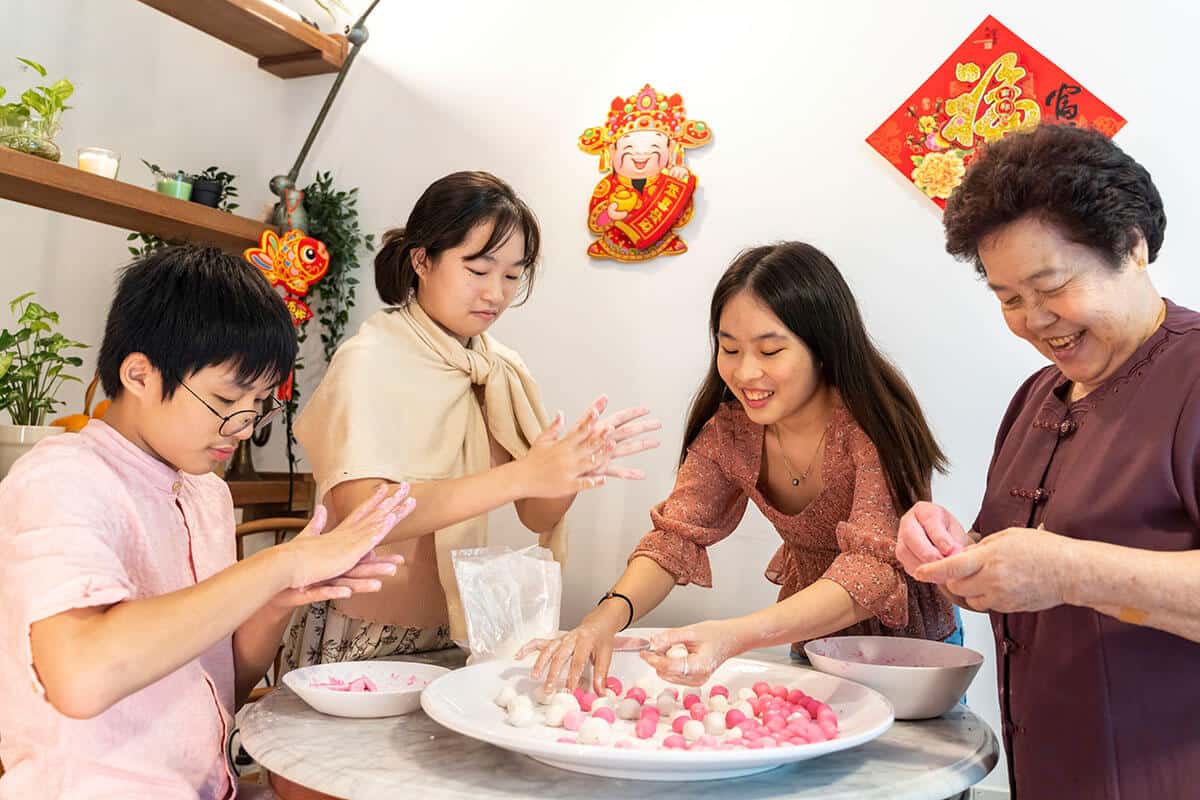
x=229 y=192
x=32 y=361
x=47 y=102
x=333 y=219
x=31 y=123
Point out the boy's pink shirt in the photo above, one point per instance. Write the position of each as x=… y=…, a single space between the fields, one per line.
x=90 y=519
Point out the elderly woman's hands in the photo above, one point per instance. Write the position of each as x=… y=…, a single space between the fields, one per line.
x=1018 y=569
x=929 y=533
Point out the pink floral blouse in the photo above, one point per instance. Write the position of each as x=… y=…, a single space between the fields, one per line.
x=847 y=534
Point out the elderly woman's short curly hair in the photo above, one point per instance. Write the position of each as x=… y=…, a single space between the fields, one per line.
x=1074 y=178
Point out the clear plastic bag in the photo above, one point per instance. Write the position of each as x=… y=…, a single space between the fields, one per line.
x=508 y=596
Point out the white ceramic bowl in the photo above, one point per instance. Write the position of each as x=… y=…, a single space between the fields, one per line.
x=400 y=685
x=463 y=702
x=923 y=679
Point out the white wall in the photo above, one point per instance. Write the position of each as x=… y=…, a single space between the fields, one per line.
x=790 y=91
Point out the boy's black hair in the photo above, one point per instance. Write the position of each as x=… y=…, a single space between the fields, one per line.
x=188 y=307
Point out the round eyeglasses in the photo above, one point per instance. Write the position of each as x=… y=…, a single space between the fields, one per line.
x=238 y=421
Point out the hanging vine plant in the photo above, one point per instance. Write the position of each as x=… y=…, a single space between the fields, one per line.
x=333 y=219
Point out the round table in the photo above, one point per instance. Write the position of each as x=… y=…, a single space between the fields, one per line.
x=365 y=759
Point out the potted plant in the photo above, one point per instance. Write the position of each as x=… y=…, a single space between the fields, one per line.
x=214 y=188
x=30 y=124
x=32 y=361
x=225 y=202
x=177 y=184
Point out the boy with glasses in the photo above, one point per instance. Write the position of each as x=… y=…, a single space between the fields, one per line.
x=130 y=633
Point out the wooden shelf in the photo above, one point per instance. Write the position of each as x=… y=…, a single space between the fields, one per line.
x=283 y=45
x=45 y=184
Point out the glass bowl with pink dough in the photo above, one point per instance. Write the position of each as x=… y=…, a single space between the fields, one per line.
x=922 y=679
x=363 y=689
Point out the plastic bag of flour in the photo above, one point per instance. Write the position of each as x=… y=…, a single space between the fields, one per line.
x=508 y=596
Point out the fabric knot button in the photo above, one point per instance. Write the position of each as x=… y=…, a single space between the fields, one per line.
x=1039 y=495
x=176 y=486
x=1067 y=427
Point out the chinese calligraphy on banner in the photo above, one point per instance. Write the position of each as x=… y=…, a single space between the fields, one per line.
x=993 y=84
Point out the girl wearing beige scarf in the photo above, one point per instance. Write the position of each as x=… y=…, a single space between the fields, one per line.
x=423 y=394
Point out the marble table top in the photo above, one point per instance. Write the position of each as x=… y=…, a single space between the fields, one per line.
x=365 y=759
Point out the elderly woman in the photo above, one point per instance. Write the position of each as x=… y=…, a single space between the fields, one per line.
x=1085 y=551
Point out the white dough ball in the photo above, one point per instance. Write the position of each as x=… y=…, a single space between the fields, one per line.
x=604 y=702
x=595 y=731
x=611 y=693
x=745 y=708
x=555 y=714
x=521 y=715
x=506 y=696
x=629 y=708
x=541 y=696
x=666 y=704
x=693 y=729
x=566 y=701
x=677 y=651
x=714 y=723
x=733 y=734
x=745 y=694
x=718 y=703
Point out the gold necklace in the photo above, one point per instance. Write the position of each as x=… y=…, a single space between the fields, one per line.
x=804 y=475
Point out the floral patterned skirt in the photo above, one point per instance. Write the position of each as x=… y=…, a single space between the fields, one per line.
x=320 y=634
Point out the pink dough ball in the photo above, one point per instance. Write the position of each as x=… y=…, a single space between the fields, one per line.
x=586 y=699
x=698 y=711
x=795 y=696
x=605 y=714
x=830 y=730
x=690 y=700
x=678 y=723
x=707 y=741
x=623 y=744
x=755 y=744
x=761 y=688
x=567 y=740
x=645 y=728
x=776 y=724
x=815 y=734
x=798 y=740
x=637 y=693
x=800 y=713
x=733 y=717
x=748 y=725
x=718 y=691
x=614 y=684
x=779 y=691
x=768 y=741
x=651 y=713
x=579 y=691
x=573 y=720
x=675 y=742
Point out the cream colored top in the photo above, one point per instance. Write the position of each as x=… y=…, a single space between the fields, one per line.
x=397 y=403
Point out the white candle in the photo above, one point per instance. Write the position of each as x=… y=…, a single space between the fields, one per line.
x=99 y=161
